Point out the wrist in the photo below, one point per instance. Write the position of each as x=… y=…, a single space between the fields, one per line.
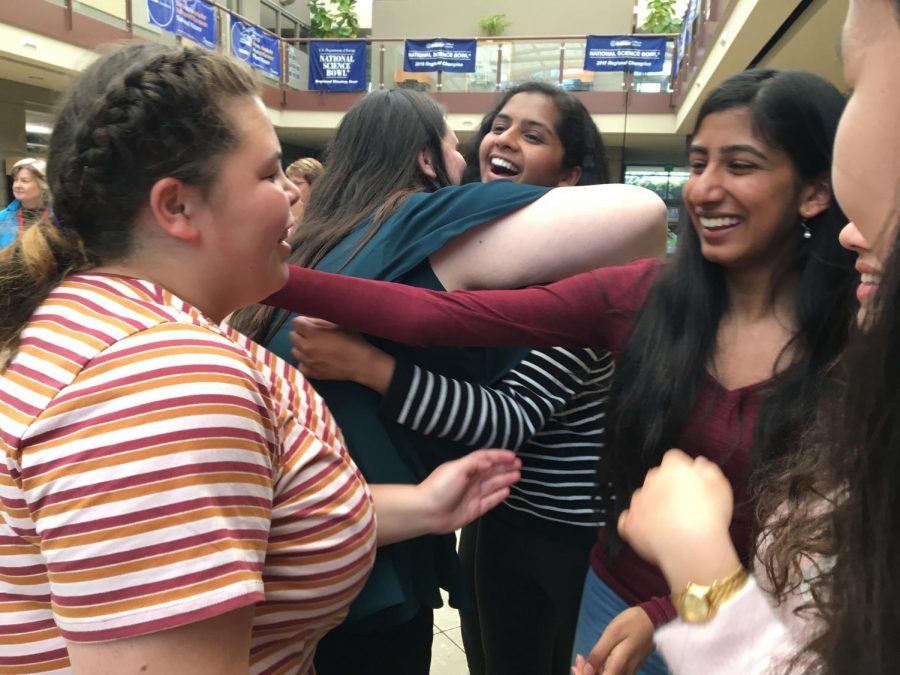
x=700 y=561
x=376 y=371
x=428 y=513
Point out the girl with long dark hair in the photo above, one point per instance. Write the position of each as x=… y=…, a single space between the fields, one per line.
x=526 y=560
x=825 y=597
x=388 y=206
x=721 y=351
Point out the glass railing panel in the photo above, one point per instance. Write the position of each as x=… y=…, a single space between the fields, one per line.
x=395 y=76
x=297 y=67
x=651 y=83
x=533 y=62
x=576 y=78
x=486 y=57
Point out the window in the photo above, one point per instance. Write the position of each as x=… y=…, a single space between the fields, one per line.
x=268 y=18
x=288 y=28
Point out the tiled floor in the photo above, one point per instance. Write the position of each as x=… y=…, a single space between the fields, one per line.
x=447 y=655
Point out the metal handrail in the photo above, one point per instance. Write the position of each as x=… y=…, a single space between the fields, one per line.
x=285 y=43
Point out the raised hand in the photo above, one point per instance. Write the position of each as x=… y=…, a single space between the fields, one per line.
x=325 y=351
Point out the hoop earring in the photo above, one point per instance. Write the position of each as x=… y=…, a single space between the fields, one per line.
x=807 y=234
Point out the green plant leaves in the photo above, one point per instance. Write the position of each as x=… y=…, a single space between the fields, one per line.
x=339 y=22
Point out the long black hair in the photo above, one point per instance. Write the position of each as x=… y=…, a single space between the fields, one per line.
x=580 y=139
x=370 y=168
x=655 y=388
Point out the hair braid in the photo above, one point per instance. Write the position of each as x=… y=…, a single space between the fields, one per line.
x=141 y=113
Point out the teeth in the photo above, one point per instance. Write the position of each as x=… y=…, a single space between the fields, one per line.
x=715 y=223
x=503 y=164
x=870 y=278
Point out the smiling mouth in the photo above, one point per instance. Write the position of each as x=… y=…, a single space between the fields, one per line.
x=718 y=223
x=504 y=168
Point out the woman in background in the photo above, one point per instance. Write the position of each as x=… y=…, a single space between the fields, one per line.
x=303 y=173
x=31 y=199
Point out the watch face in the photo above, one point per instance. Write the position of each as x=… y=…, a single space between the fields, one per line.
x=695 y=608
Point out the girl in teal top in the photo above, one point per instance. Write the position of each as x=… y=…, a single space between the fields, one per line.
x=388 y=207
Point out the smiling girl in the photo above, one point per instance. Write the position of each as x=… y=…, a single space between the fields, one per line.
x=721 y=351
x=389 y=206
x=824 y=596
x=32 y=199
x=174 y=499
x=526 y=560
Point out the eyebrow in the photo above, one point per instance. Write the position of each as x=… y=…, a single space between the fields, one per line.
x=728 y=149
x=526 y=122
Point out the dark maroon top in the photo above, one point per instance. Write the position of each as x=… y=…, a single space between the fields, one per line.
x=595 y=308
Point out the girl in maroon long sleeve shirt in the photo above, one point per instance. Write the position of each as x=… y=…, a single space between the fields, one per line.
x=721 y=352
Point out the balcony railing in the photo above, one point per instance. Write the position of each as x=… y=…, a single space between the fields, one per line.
x=500 y=62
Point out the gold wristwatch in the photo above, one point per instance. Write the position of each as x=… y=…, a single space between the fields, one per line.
x=699 y=604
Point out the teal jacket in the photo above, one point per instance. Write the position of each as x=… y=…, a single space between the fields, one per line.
x=407 y=576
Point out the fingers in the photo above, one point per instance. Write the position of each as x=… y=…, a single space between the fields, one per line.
x=494 y=471
x=607 y=643
x=493 y=455
x=305 y=323
x=582 y=667
x=676 y=457
x=622 y=525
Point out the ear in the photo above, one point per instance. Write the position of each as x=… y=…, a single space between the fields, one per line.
x=815 y=197
x=570 y=176
x=423 y=159
x=173 y=203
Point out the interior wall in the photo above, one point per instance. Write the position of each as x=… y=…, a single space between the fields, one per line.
x=435 y=18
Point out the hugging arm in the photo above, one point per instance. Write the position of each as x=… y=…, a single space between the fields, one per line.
x=589 y=309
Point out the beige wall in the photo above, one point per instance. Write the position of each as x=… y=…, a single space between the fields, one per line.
x=459 y=18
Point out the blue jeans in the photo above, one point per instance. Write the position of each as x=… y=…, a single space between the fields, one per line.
x=599 y=606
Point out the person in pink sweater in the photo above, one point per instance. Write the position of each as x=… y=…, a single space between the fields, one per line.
x=824 y=596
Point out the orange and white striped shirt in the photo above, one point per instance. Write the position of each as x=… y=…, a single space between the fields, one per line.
x=158 y=470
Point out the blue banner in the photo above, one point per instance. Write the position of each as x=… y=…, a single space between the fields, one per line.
x=337 y=66
x=253 y=45
x=624 y=52
x=196 y=20
x=685 y=37
x=428 y=56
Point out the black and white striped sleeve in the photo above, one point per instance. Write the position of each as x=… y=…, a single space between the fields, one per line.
x=505 y=415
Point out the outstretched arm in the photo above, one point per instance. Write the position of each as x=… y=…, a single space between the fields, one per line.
x=453 y=495
x=566 y=231
x=504 y=415
x=589 y=309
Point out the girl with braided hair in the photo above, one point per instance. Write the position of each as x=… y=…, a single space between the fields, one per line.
x=173 y=498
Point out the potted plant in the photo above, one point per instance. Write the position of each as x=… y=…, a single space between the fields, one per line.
x=493 y=25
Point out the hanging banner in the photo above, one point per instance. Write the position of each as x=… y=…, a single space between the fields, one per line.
x=686 y=35
x=624 y=52
x=196 y=20
x=428 y=56
x=337 y=66
x=256 y=47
